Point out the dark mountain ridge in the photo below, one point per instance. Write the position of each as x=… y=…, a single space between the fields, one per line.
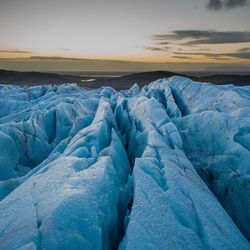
x=122 y=82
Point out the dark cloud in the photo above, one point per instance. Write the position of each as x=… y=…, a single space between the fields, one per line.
x=223 y=58
x=183 y=38
x=45 y=58
x=155 y=48
x=164 y=43
x=201 y=49
x=15 y=51
x=239 y=55
x=230 y=4
x=210 y=55
x=54 y=58
x=67 y=60
x=214 y=5
x=217 y=5
x=182 y=57
x=244 y=49
x=197 y=37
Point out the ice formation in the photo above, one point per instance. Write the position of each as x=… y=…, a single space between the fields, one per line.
x=162 y=167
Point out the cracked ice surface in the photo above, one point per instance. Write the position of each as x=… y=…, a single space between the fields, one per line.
x=162 y=167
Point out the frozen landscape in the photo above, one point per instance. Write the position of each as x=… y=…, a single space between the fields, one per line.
x=165 y=166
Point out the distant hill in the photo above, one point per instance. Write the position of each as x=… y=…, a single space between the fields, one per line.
x=122 y=82
x=127 y=81
x=35 y=78
x=240 y=80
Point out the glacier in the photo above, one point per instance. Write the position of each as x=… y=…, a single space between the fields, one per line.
x=165 y=166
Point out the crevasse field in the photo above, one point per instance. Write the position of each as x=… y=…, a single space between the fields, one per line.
x=162 y=167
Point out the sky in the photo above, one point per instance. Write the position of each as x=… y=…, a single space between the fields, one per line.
x=119 y=35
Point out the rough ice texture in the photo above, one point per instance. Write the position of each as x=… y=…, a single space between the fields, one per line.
x=162 y=167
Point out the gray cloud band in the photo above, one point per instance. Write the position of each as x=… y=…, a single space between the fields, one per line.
x=15 y=51
x=240 y=55
x=217 y=5
x=197 y=37
x=183 y=38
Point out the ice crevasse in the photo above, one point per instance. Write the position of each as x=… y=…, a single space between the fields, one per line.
x=166 y=166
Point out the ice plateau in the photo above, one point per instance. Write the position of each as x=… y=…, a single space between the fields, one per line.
x=166 y=166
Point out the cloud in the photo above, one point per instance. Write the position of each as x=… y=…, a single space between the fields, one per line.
x=198 y=37
x=54 y=58
x=244 y=49
x=210 y=55
x=15 y=51
x=238 y=55
x=216 y=5
x=164 y=43
x=178 y=41
x=68 y=60
x=156 y=49
x=230 y=4
x=241 y=55
x=182 y=57
x=47 y=58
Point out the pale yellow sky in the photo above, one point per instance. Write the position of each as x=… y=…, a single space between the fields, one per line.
x=160 y=31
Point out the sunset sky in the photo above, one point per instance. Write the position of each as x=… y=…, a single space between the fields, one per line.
x=140 y=34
